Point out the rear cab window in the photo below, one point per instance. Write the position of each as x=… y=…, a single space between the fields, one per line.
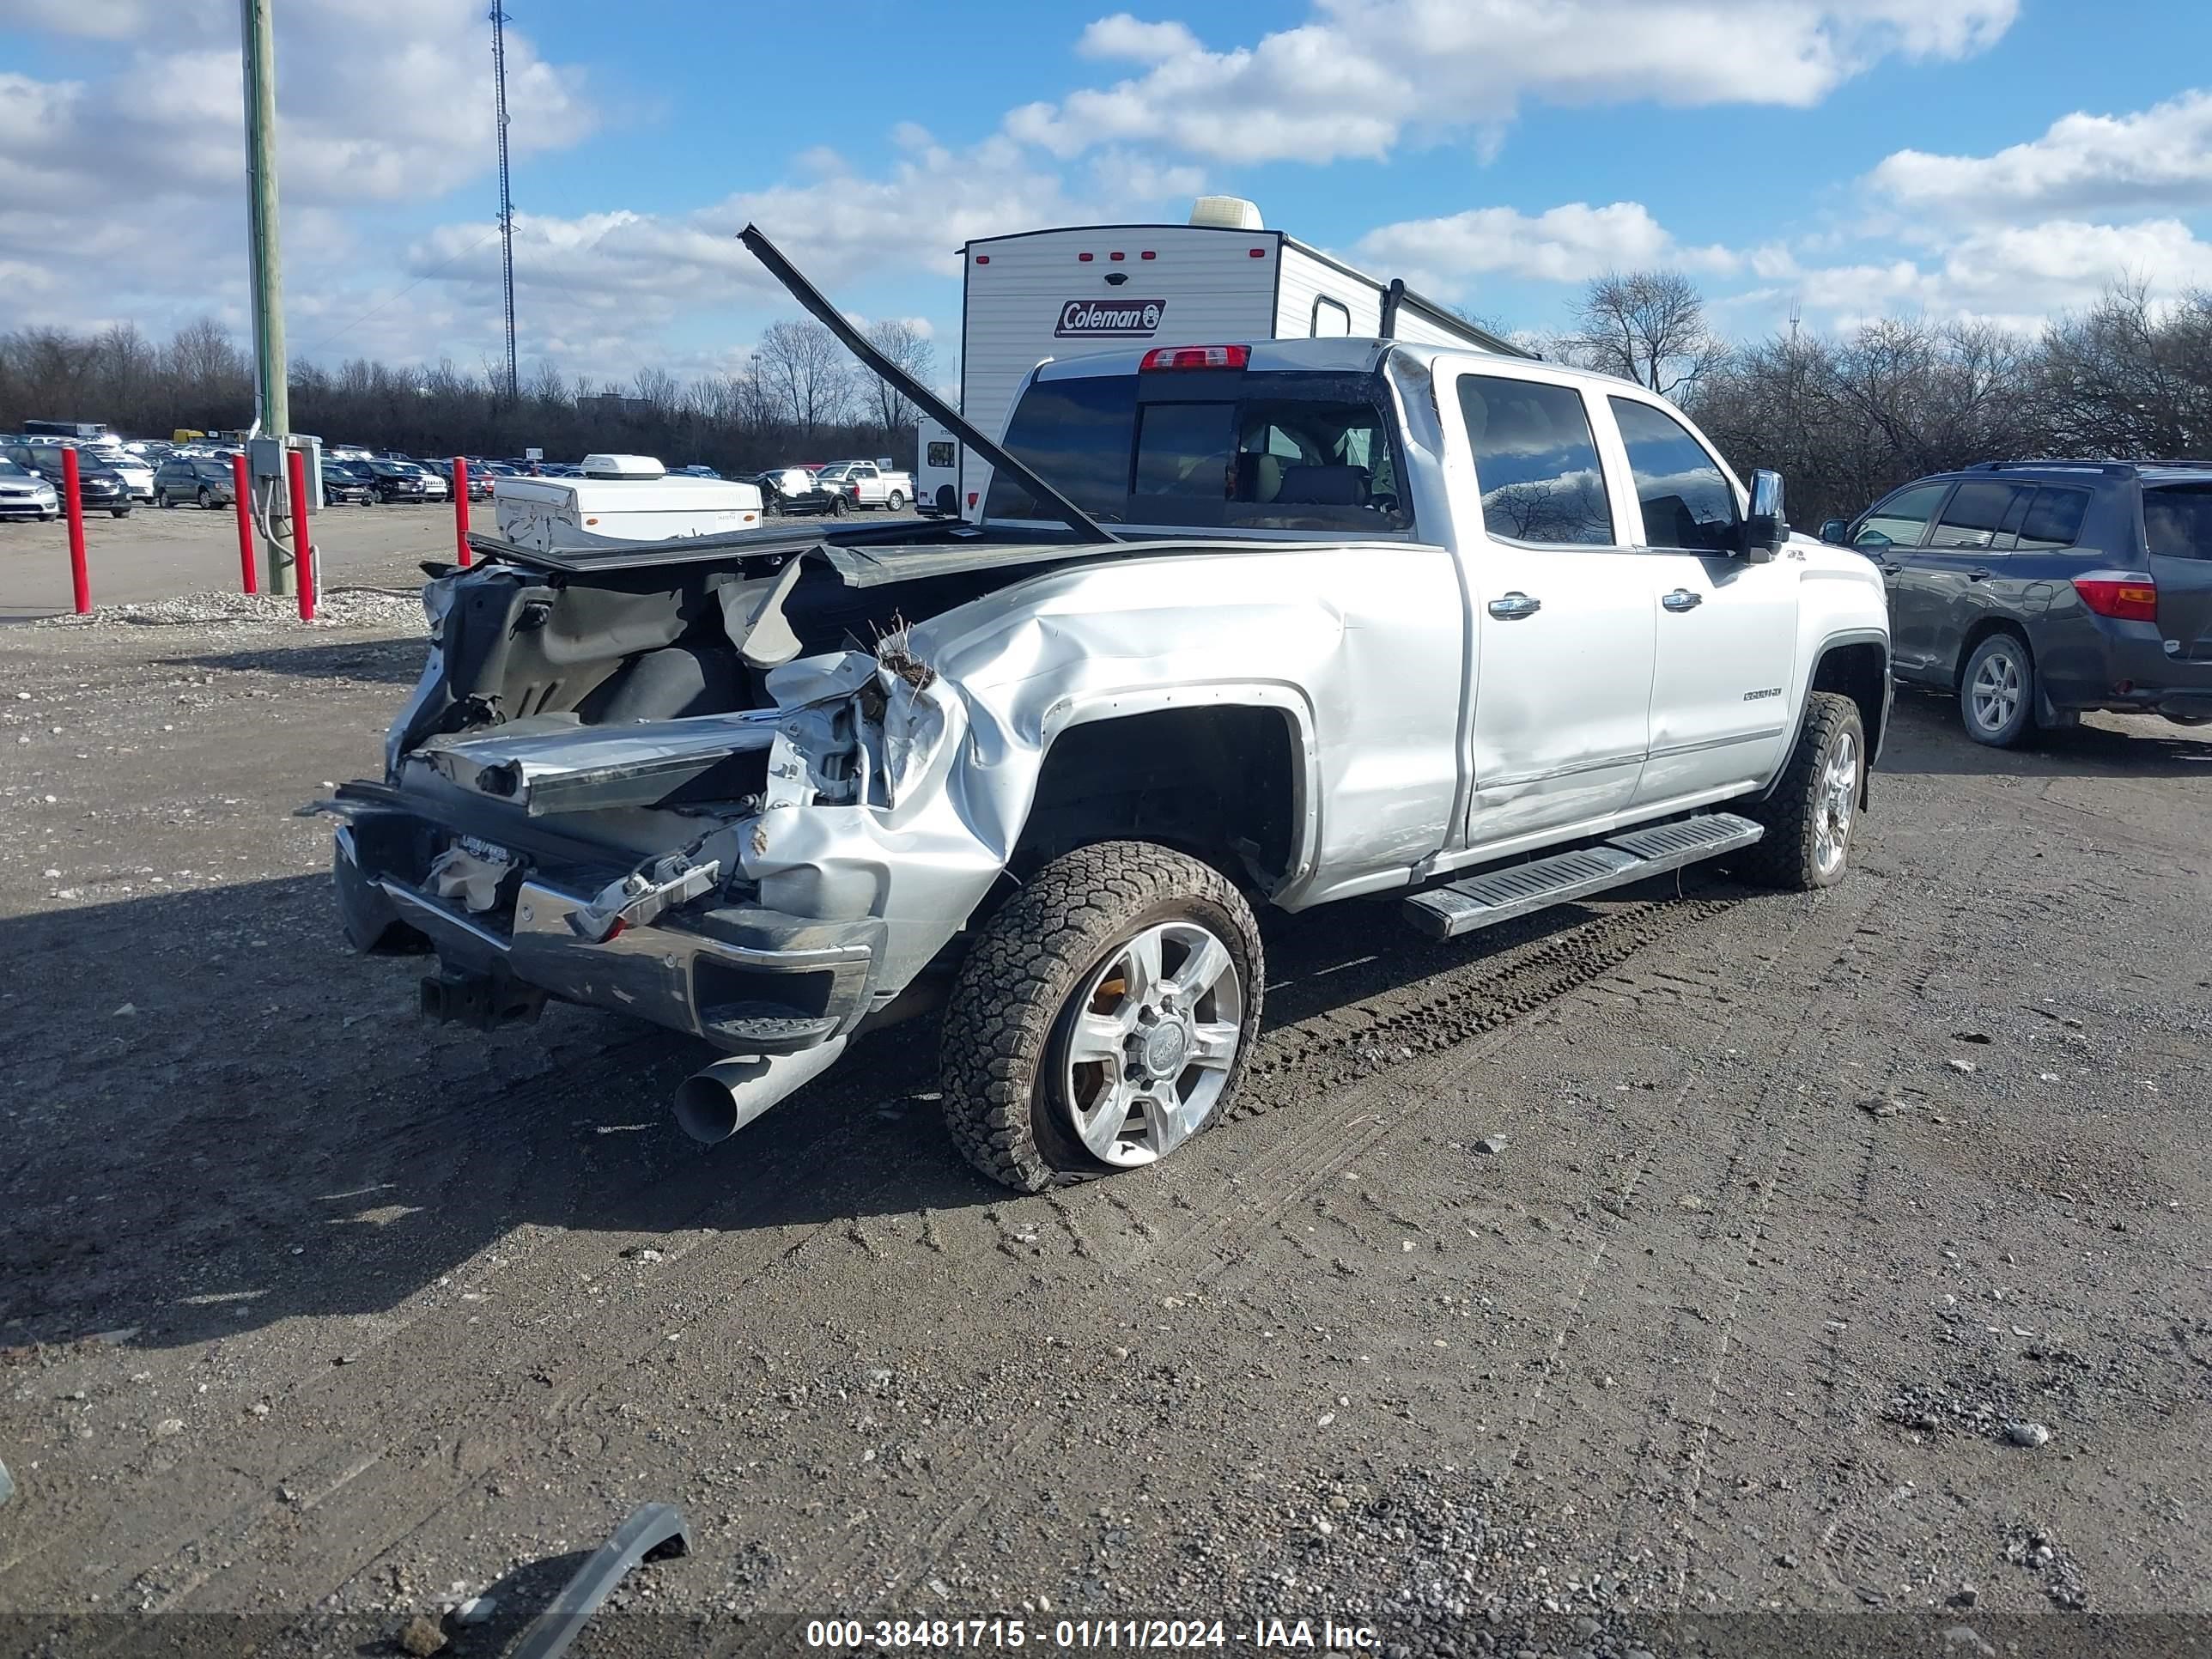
x=1265 y=451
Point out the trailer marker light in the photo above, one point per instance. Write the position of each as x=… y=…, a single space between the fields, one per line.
x=1117 y=258
x=1146 y=254
x=982 y=258
x=1259 y=252
x=1213 y=356
x=1084 y=258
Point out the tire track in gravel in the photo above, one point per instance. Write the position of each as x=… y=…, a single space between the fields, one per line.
x=1464 y=1004
x=370 y=1396
x=1793 y=1157
x=377 y=1498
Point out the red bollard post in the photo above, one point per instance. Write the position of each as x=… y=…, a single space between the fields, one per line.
x=303 y=546
x=241 y=489
x=461 y=508
x=73 y=504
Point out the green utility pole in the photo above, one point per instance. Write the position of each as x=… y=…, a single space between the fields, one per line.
x=271 y=394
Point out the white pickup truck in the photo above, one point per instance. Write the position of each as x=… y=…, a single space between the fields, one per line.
x=865 y=483
x=1290 y=622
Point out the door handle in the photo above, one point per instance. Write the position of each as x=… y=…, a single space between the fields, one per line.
x=1980 y=574
x=1514 y=606
x=1682 y=599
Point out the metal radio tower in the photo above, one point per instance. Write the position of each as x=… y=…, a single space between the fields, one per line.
x=506 y=200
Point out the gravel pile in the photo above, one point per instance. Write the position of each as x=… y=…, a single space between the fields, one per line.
x=343 y=607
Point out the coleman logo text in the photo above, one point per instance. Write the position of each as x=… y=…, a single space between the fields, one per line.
x=1080 y=317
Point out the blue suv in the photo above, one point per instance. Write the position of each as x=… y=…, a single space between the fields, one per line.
x=2034 y=590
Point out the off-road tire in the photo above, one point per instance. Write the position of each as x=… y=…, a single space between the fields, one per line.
x=1785 y=857
x=1013 y=999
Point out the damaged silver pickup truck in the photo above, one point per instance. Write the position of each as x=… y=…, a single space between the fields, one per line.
x=1292 y=621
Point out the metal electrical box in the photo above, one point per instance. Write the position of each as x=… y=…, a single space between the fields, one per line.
x=265 y=458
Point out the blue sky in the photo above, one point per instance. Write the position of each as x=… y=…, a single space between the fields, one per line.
x=1997 y=158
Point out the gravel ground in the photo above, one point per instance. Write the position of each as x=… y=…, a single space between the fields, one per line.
x=1674 y=1275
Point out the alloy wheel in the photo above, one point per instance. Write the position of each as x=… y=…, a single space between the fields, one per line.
x=1155 y=1038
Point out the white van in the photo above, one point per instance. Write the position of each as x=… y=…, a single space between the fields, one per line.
x=620 y=499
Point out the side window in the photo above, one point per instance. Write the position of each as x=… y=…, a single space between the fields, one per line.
x=2178 y=522
x=1536 y=462
x=1687 y=501
x=1331 y=318
x=1902 y=519
x=940 y=453
x=2054 y=521
x=1975 y=514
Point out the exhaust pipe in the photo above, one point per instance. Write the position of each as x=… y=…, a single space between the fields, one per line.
x=715 y=1104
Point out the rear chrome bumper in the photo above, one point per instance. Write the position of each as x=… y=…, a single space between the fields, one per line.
x=749 y=981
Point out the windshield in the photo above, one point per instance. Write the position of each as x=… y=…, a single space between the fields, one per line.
x=1271 y=452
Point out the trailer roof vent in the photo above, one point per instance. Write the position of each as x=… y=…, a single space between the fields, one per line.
x=623 y=466
x=1227 y=212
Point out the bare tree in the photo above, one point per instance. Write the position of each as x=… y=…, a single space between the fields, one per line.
x=1648 y=327
x=913 y=351
x=806 y=374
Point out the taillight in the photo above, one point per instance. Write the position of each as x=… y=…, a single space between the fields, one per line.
x=1220 y=356
x=2124 y=599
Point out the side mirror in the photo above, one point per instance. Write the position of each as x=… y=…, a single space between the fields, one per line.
x=1833 y=532
x=1764 y=529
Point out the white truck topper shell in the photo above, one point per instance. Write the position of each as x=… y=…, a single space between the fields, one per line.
x=556 y=512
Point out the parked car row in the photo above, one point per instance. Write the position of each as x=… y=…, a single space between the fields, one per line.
x=102 y=485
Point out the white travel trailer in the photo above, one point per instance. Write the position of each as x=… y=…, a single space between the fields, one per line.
x=936 y=470
x=1047 y=294
x=619 y=499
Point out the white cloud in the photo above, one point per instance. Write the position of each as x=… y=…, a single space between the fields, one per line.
x=1350 y=82
x=156 y=143
x=97 y=20
x=609 y=284
x=2155 y=158
x=2016 y=273
x=1565 y=244
x=1122 y=36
